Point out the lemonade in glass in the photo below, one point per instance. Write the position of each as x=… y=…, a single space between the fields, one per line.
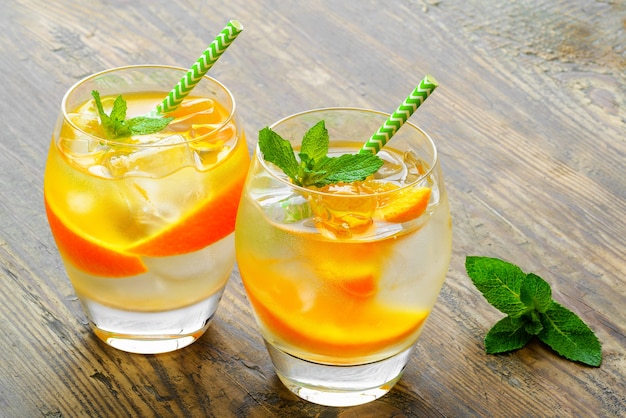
x=343 y=276
x=144 y=223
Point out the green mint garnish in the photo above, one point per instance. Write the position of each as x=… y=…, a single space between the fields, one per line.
x=527 y=301
x=117 y=126
x=315 y=167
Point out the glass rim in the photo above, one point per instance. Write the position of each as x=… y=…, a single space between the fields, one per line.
x=115 y=142
x=286 y=180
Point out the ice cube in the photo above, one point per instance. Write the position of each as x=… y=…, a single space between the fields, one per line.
x=211 y=145
x=100 y=171
x=82 y=149
x=81 y=203
x=195 y=112
x=156 y=160
x=157 y=203
x=86 y=122
x=349 y=209
x=290 y=209
x=217 y=258
x=393 y=168
x=278 y=201
x=416 y=166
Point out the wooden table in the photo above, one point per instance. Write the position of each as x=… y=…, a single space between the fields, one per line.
x=530 y=120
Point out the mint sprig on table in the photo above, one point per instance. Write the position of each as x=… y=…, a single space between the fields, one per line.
x=116 y=125
x=315 y=168
x=527 y=301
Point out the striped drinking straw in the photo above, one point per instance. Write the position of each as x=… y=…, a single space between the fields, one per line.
x=200 y=67
x=401 y=115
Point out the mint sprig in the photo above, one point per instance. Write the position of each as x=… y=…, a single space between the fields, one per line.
x=527 y=301
x=115 y=124
x=315 y=168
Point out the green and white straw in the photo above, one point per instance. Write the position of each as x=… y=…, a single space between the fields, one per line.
x=200 y=67
x=401 y=115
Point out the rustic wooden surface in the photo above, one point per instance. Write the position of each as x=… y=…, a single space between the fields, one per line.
x=530 y=119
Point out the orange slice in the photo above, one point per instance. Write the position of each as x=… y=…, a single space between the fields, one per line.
x=213 y=221
x=406 y=205
x=350 y=327
x=363 y=287
x=331 y=315
x=89 y=256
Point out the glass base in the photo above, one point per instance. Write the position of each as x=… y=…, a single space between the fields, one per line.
x=338 y=385
x=151 y=332
x=151 y=344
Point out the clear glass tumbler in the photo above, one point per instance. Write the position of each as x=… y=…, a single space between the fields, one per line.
x=342 y=279
x=145 y=223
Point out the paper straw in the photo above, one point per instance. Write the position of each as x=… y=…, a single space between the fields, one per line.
x=402 y=113
x=200 y=67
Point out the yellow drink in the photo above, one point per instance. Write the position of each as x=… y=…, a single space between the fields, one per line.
x=145 y=224
x=342 y=279
x=343 y=299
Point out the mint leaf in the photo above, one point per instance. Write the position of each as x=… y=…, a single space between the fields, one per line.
x=142 y=125
x=532 y=322
x=107 y=123
x=315 y=143
x=118 y=113
x=307 y=177
x=506 y=335
x=527 y=299
x=315 y=168
x=499 y=282
x=348 y=168
x=278 y=151
x=569 y=336
x=116 y=126
x=535 y=293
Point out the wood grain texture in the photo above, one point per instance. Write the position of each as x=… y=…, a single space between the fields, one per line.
x=530 y=120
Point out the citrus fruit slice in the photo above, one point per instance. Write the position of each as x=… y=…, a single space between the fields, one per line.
x=354 y=267
x=89 y=256
x=406 y=205
x=213 y=220
x=363 y=287
x=348 y=327
x=337 y=316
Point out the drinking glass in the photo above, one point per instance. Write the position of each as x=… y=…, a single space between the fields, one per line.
x=144 y=224
x=341 y=279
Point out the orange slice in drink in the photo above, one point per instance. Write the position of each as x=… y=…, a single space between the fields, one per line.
x=341 y=327
x=211 y=222
x=214 y=220
x=363 y=287
x=335 y=312
x=406 y=204
x=354 y=267
x=90 y=256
